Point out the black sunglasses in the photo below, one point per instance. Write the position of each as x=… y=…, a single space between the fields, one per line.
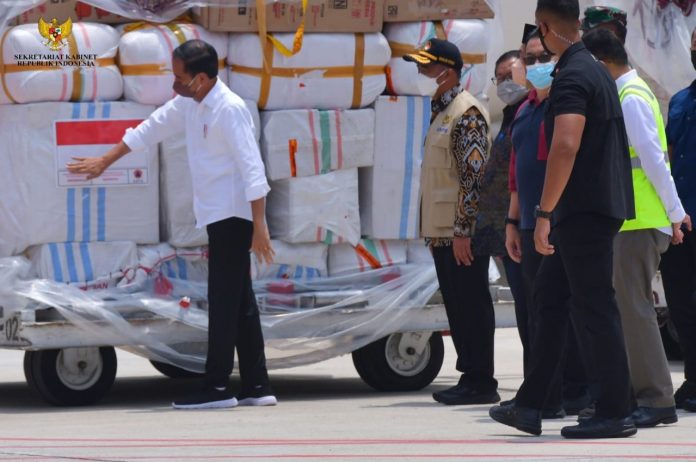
x=542 y=58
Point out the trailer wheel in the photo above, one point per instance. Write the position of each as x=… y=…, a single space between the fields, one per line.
x=174 y=372
x=401 y=361
x=71 y=376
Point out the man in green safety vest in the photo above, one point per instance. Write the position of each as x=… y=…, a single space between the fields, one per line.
x=638 y=247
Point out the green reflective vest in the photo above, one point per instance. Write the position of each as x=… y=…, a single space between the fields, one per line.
x=650 y=212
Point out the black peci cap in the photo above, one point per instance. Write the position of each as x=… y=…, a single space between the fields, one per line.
x=438 y=51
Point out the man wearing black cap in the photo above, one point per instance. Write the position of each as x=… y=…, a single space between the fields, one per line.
x=587 y=195
x=456 y=151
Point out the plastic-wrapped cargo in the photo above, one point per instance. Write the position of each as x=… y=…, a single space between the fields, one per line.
x=472 y=37
x=41 y=202
x=390 y=190
x=145 y=58
x=83 y=68
x=367 y=255
x=332 y=71
x=301 y=142
x=295 y=262
x=176 y=208
x=89 y=265
x=322 y=208
x=418 y=252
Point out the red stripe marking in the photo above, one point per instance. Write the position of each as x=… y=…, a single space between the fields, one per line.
x=386 y=252
x=87 y=132
x=88 y=43
x=479 y=456
x=64 y=91
x=339 y=139
x=315 y=142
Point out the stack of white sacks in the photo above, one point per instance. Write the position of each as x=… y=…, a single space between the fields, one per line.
x=343 y=161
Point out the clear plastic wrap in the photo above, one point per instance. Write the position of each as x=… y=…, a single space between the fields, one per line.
x=303 y=321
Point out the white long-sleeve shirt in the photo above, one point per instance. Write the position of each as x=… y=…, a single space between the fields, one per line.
x=645 y=139
x=226 y=167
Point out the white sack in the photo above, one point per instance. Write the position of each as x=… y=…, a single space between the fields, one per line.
x=31 y=83
x=309 y=142
x=472 y=37
x=303 y=262
x=390 y=190
x=321 y=208
x=176 y=209
x=90 y=265
x=418 y=252
x=35 y=210
x=321 y=75
x=145 y=58
x=366 y=256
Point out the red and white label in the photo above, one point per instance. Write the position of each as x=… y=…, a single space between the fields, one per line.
x=93 y=138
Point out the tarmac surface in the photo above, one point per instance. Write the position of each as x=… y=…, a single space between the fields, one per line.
x=326 y=413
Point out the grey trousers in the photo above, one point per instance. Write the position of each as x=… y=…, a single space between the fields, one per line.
x=636 y=259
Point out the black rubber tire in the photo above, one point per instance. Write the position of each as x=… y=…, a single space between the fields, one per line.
x=40 y=371
x=372 y=365
x=670 y=340
x=174 y=372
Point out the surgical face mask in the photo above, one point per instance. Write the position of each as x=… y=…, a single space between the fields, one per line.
x=693 y=58
x=185 y=90
x=511 y=92
x=539 y=75
x=427 y=86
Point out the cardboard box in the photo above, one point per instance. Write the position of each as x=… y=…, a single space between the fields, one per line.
x=286 y=16
x=64 y=9
x=435 y=10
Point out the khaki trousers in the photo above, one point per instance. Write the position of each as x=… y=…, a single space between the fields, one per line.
x=636 y=259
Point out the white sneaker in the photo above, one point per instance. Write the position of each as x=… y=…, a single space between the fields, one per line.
x=268 y=400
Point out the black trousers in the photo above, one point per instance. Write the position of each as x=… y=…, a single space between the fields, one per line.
x=678 y=269
x=513 y=273
x=570 y=381
x=580 y=269
x=470 y=313
x=233 y=315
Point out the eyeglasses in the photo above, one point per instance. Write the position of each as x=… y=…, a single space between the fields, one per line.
x=498 y=81
x=542 y=58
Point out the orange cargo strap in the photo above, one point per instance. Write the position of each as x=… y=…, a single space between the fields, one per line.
x=336 y=72
x=367 y=256
x=153 y=69
x=2 y=62
x=399 y=50
x=178 y=33
x=292 y=150
x=299 y=33
x=359 y=70
x=77 y=73
x=267 y=73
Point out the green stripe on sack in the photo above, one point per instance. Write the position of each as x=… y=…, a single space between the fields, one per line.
x=325 y=126
x=328 y=240
x=369 y=244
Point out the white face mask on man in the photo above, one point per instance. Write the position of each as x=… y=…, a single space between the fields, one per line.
x=427 y=86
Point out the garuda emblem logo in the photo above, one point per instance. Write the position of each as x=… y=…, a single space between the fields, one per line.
x=55 y=33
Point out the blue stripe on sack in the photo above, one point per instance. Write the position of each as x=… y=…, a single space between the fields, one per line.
x=106 y=110
x=70 y=257
x=86 y=261
x=281 y=271
x=71 y=215
x=169 y=269
x=408 y=154
x=91 y=110
x=298 y=272
x=310 y=273
x=101 y=214
x=55 y=260
x=181 y=263
x=76 y=110
x=86 y=206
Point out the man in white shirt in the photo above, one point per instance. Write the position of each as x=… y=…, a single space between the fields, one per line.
x=229 y=189
x=639 y=245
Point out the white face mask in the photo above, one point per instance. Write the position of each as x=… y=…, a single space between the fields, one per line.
x=427 y=86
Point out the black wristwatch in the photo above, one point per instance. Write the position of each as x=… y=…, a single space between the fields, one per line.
x=538 y=213
x=512 y=221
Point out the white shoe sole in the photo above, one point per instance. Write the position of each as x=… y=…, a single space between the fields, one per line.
x=224 y=404
x=262 y=401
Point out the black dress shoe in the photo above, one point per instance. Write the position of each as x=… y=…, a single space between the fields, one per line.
x=600 y=427
x=586 y=414
x=551 y=414
x=689 y=405
x=687 y=392
x=523 y=419
x=646 y=417
x=575 y=406
x=463 y=395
